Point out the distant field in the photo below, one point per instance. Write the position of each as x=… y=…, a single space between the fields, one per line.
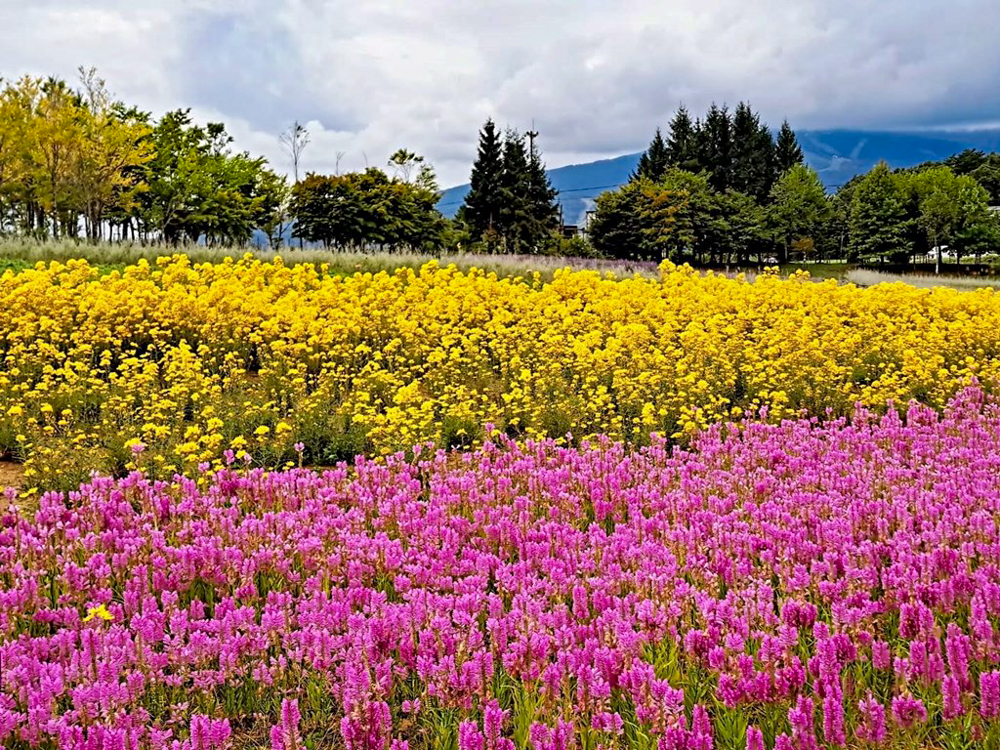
x=868 y=277
x=17 y=255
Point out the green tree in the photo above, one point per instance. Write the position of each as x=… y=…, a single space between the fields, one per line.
x=987 y=174
x=483 y=204
x=683 y=143
x=615 y=229
x=952 y=207
x=654 y=160
x=651 y=220
x=272 y=208
x=716 y=147
x=752 y=154
x=740 y=228
x=879 y=223
x=516 y=219
x=364 y=210
x=55 y=139
x=115 y=144
x=15 y=114
x=542 y=201
x=403 y=162
x=787 y=152
x=799 y=209
x=965 y=162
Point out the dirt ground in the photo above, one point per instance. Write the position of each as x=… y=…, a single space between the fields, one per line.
x=11 y=474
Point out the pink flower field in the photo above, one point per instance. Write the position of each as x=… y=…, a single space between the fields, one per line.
x=795 y=586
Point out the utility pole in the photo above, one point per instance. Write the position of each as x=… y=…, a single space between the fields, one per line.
x=531 y=135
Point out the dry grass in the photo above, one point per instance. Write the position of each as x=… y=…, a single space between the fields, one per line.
x=868 y=277
x=19 y=253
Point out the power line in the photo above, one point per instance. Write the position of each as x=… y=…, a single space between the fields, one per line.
x=558 y=192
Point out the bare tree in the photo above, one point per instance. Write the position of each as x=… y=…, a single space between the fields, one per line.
x=294 y=142
x=340 y=155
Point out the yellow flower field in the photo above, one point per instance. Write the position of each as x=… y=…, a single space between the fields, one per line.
x=168 y=366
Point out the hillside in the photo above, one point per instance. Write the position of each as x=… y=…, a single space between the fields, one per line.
x=837 y=155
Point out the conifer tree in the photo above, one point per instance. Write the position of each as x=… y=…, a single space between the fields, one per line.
x=716 y=147
x=515 y=211
x=788 y=153
x=682 y=144
x=541 y=197
x=752 y=154
x=485 y=200
x=654 y=161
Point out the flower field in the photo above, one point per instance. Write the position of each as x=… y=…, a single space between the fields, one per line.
x=801 y=585
x=192 y=360
x=581 y=513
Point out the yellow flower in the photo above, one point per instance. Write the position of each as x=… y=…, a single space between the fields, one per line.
x=99 y=612
x=262 y=430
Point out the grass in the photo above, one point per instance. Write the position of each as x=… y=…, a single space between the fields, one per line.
x=17 y=254
x=868 y=277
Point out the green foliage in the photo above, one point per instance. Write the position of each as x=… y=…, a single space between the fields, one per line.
x=787 y=152
x=799 y=209
x=651 y=220
x=73 y=160
x=481 y=210
x=753 y=156
x=654 y=160
x=682 y=145
x=367 y=209
x=511 y=206
x=879 y=222
x=715 y=147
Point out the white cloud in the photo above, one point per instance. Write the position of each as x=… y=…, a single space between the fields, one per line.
x=595 y=77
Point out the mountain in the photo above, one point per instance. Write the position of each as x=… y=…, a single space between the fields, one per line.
x=837 y=155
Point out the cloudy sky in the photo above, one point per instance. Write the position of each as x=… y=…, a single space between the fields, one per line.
x=368 y=76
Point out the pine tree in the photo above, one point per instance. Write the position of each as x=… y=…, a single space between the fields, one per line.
x=787 y=151
x=515 y=212
x=541 y=197
x=716 y=147
x=745 y=126
x=682 y=145
x=752 y=154
x=654 y=161
x=485 y=200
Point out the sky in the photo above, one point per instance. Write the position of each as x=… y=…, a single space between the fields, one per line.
x=594 y=78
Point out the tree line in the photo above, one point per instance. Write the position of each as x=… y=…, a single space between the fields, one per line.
x=75 y=162
x=720 y=189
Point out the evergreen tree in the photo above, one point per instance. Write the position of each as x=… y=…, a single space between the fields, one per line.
x=682 y=145
x=654 y=160
x=485 y=200
x=752 y=154
x=541 y=198
x=788 y=153
x=879 y=223
x=716 y=147
x=515 y=222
